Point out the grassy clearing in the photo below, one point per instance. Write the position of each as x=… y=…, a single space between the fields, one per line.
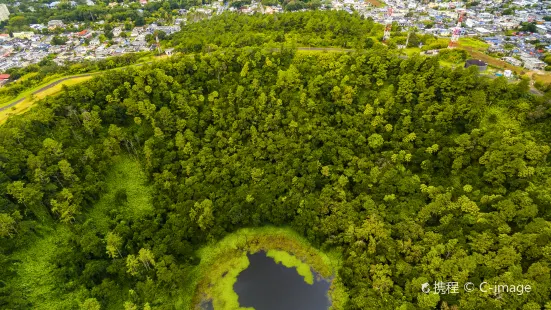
x=449 y=64
x=543 y=78
x=27 y=76
x=128 y=176
x=221 y=262
x=28 y=92
x=317 y=50
x=24 y=105
x=35 y=278
x=473 y=43
x=412 y=51
x=35 y=262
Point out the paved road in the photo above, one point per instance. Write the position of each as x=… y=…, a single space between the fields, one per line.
x=65 y=79
x=43 y=89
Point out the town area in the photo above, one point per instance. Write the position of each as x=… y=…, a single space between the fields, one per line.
x=517 y=32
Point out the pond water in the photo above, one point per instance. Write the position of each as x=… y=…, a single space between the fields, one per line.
x=267 y=285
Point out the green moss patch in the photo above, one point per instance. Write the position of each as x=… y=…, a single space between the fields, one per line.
x=290 y=261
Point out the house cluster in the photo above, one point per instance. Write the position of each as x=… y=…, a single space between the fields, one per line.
x=494 y=21
x=219 y=7
x=26 y=48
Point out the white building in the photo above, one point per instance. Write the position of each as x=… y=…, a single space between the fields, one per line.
x=534 y=64
x=117 y=31
x=23 y=34
x=55 y=23
x=513 y=61
x=4 y=13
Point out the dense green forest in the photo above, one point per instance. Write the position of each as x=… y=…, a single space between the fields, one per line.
x=413 y=172
x=310 y=28
x=314 y=28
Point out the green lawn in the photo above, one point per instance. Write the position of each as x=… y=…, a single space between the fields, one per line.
x=449 y=64
x=474 y=43
x=411 y=51
x=30 y=91
x=24 y=105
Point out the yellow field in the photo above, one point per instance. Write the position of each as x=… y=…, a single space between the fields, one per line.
x=29 y=101
x=28 y=92
x=473 y=43
x=542 y=78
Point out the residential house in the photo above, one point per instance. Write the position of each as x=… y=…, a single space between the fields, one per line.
x=55 y=23
x=4 y=79
x=4 y=12
x=542 y=29
x=23 y=34
x=117 y=31
x=513 y=61
x=136 y=31
x=532 y=63
x=94 y=42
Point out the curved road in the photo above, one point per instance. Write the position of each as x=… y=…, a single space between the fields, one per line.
x=68 y=78
x=43 y=89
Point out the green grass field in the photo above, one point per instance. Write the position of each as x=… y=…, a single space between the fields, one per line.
x=474 y=43
x=44 y=83
x=412 y=51
x=448 y=64
x=24 y=105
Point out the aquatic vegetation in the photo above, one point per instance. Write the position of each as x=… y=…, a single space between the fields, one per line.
x=290 y=261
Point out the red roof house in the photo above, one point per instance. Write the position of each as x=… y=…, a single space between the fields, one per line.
x=4 y=77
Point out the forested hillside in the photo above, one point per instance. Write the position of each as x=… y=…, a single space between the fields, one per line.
x=305 y=28
x=415 y=173
x=313 y=28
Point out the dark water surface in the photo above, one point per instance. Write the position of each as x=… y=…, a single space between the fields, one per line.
x=266 y=285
